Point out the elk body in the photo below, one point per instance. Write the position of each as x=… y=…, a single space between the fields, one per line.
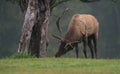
x=82 y=28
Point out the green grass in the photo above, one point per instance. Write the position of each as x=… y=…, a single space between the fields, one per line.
x=59 y=66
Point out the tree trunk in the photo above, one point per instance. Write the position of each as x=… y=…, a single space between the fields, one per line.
x=35 y=28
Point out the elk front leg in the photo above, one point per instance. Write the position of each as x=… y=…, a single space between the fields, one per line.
x=85 y=41
x=91 y=47
x=76 y=49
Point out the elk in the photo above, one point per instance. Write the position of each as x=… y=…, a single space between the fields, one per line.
x=82 y=28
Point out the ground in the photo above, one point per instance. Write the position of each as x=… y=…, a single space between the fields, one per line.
x=59 y=66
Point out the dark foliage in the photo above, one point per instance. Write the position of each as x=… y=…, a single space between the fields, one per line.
x=89 y=0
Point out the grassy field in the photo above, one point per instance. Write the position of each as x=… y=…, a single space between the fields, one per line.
x=59 y=66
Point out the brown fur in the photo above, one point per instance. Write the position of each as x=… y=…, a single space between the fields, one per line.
x=82 y=28
x=81 y=24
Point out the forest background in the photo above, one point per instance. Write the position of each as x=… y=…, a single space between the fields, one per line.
x=106 y=11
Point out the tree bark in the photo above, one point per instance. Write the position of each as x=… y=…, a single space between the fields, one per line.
x=35 y=28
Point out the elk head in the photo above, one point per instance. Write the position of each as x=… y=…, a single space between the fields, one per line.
x=65 y=45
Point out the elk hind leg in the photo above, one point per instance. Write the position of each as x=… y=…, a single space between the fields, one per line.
x=95 y=39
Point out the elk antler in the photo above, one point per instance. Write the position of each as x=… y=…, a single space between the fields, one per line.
x=70 y=44
x=58 y=26
x=58 y=20
x=58 y=37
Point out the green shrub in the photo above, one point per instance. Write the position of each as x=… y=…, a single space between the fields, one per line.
x=21 y=55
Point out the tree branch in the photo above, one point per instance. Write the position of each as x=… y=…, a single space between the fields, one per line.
x=23 y=5
x=56 y=3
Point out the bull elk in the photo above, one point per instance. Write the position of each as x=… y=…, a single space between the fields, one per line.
x=82 y=28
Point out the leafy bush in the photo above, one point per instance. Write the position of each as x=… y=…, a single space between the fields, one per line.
x=21 y=55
